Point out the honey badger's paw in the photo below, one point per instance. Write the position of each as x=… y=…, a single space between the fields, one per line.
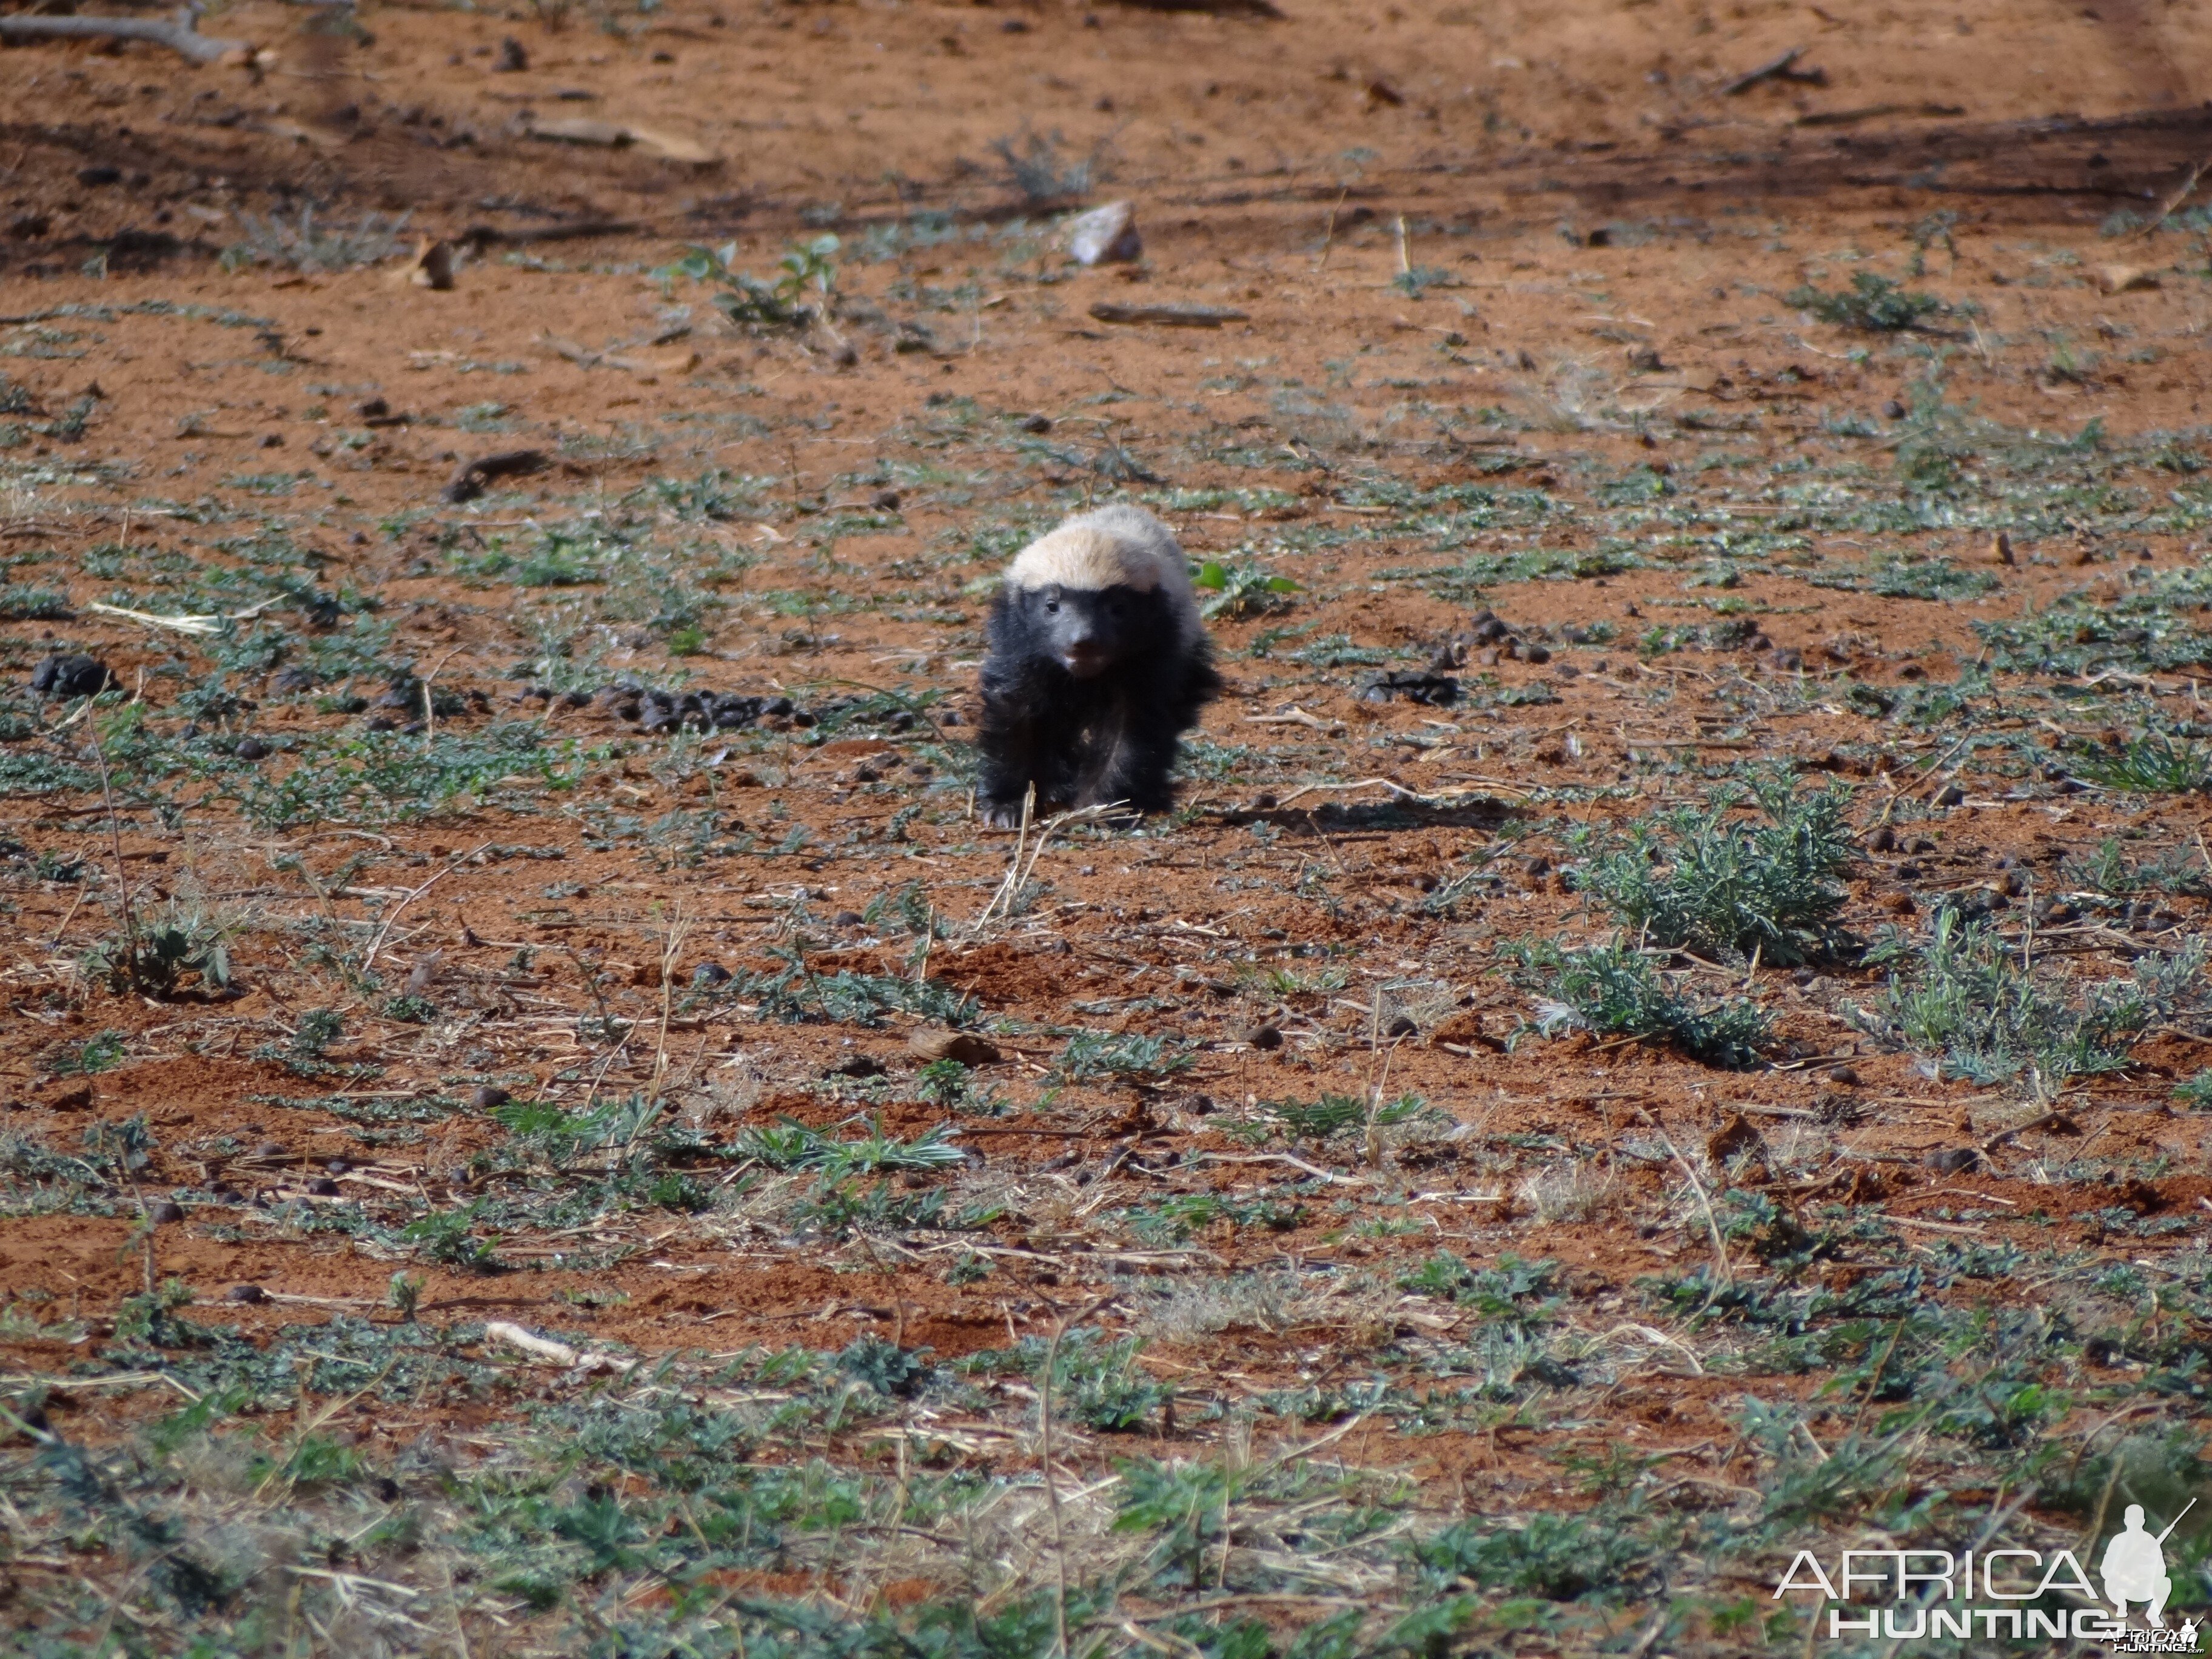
x=1000 y=815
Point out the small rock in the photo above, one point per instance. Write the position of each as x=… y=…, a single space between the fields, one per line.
x=1892 y=411
x=710 y=973
x=1950 y=795
x=1737 y=1136
x=488 y=1096
x=1951 y=1160
x=884 y=501
x=1881 y=840
x=94 y=176
x=251 y=749
x=848 y=919
x=246 y=1293
x=269 y=1149
x=1845 y=1077
x=1105 y=236
x=291 y=681
x=2000 y=549
x=1037 y=424
x=512 y=57
x=339 y=1166
x=859 y=1066
x=963 y=1046
x=1261 y=1037
x=1403 y=1026
x=373 y=408
x=164 y=1213
x=323 y=1186
x=2123 y=279
x=72 y=674
x=1787 y=659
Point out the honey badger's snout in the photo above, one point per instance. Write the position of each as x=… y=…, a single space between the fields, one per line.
x=1082 y=639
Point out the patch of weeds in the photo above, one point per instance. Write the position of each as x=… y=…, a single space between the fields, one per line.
x=1241 y=593
x=895 y=1372
x=792 y=995
x=449 y=1237
x=2110 y=872
x=165 y=959
x=1962 y=994
x=1175 y=1220
x=1036 y=167
x=788 y=1145
x=304 y=245
x=1873 y=304
x=2155 y=764
x=805 y=288
x=1911 y=578
x=22 y=603
x=94 y=1054
x=1702 y=878
x=2196 y=1093
x=1096 y=1380
x=1512 y=1291
x=1559 y=1558
x=1615 y=990
x=1090 y=1055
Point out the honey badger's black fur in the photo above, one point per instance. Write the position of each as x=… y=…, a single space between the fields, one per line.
x=1098 y=662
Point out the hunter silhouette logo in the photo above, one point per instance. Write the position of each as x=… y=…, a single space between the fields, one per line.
x=2135 y=1567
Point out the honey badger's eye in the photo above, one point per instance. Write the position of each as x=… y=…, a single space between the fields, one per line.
x=1052 y=607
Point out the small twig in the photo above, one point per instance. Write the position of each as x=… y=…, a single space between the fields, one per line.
x=377 y=944
x=2187 y=188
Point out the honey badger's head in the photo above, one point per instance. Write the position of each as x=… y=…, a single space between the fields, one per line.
x=1102 y=589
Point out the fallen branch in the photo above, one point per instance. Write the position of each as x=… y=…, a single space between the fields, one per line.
x=178 y=35
x=559 y=1353
x=2182 y=193
x=211 y=623
x=1783 y=68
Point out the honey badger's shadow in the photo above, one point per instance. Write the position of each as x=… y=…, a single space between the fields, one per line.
x=1377 y=817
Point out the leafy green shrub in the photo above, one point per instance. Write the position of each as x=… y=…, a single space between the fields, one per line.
x=1561 y=1557
x=1615 y=991
x=1242 y=591
x=1963 y=994
x=1874 y=304
x=2155 y=764
x=789 y=1145
x=1130 y=1058
x=1698 y=877
x=806 y=288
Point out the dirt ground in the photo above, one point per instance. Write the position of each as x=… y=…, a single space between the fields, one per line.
x=391 y=987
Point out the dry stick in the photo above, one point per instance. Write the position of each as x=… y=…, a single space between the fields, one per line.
x=377 y=944
x=180 y=36
x=2165 y=208
x=1329 y=236
x=1052 y=1485
x=122 y=875
x=676 y=929
x=1720 y=1250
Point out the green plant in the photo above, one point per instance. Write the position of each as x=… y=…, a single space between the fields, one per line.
x=1873 y=304
x=164 y=960
x=789 y=1145
x=448 y=1236
x=1702 y=878
x=1964 y=995
x=2155 y=764
x=805 y=290
x=1244 y=591
x=2196 y=1093
x=1129 y=1058
x=1615 y=990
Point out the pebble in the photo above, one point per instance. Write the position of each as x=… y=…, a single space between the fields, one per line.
x=1105 y=236
x=1403 y=1026
x=323 y=1186
x=251 y=749
x=1881 y=840
x=965 y=1047
x=1261 y=1037
x=1844 y=1076
x=487 y=1097
x=859 y=1066
x=269 y=1149
x=164 y=1212
x=710 y=973
x=1950 y=1160
x=246 y=1293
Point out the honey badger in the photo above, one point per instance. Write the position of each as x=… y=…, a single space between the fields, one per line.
x=1097 y=663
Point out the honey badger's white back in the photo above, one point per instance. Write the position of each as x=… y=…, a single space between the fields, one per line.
x=1113 y=546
